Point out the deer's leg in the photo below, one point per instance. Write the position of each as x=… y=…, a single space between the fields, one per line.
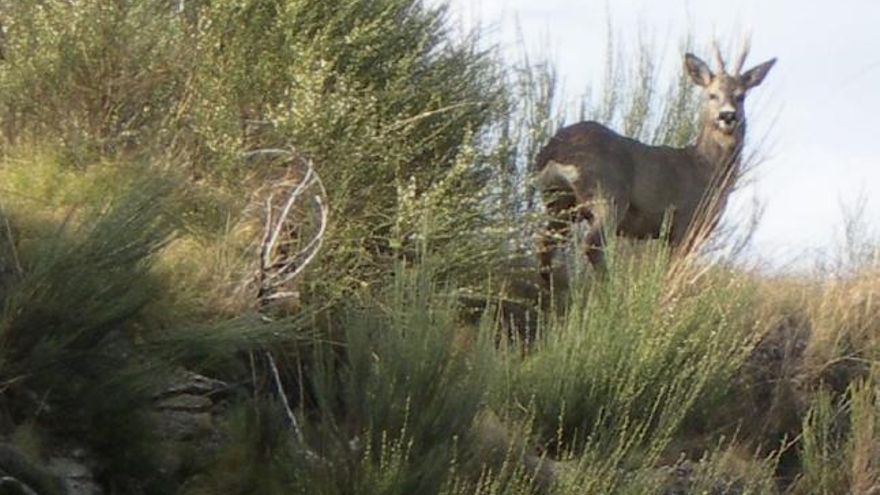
x=597 y=215
x=594 y=246
x=563 y=212
x=555 y=233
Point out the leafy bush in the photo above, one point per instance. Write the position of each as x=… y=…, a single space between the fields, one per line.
x=96 y=77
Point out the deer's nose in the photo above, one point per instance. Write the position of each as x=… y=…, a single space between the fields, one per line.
x=727 y=117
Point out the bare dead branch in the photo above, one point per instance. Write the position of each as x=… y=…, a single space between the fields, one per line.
x=280 y=389
x=280 y=261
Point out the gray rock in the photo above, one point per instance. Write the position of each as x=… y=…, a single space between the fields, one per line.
x=76 y=477
x=20 y=474
x=12 y=486
x=188 y=382
x=183 y=425
x=184 y=415
x=185 y=402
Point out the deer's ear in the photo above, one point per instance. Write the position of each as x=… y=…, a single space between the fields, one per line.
x=756 y=74
x=698 y=70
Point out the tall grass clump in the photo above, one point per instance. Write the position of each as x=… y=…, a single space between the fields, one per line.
x=844 y=310
x=619 y=370
x=839 y=449
x=393 y=405
x=75 y=284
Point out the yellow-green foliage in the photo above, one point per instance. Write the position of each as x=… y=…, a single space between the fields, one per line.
x=129 y=218
x=381 y=116
x=841 y=442
x=630 y=357
x=94 y=76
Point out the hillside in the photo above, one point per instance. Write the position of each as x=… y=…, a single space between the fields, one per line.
x=286 y=246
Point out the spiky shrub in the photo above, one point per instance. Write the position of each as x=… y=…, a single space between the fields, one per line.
x=414 y=378
x=618 y=371
x=97 y=77
x=839 y=445
x=74 y=284
x=397 y=125
x=392 y=408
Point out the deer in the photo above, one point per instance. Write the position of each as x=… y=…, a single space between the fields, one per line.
x=588 y=172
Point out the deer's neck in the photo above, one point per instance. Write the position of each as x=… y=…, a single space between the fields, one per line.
x=719 y=151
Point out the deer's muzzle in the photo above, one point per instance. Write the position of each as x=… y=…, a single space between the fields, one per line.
x=728 y=118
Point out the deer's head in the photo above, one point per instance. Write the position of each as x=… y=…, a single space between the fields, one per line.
x=725 y=92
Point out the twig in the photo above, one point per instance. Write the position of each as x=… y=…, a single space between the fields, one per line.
x=274 y=272
x=280 y=388
x=9 y=235
x=279 y=267
x=289 y=204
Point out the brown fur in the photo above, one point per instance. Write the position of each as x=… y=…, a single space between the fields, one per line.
x=587 y=163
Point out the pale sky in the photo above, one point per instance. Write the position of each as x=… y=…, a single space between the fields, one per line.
x=821 y=102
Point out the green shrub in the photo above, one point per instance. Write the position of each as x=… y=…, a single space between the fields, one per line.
x=629 y=357
x=94 y=76
x=74 y=291
x=398 y=126
x=392 y=408
x=839 y=445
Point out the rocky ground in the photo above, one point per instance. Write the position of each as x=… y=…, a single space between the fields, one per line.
x=188 y=412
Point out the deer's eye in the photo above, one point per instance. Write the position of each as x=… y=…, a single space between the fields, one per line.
x=713 y=96
x=741 y=97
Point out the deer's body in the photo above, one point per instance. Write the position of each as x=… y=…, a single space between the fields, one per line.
x=640 y=184
x=643 y=181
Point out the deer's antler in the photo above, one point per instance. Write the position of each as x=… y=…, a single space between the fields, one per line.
x=743 y=53
x=719 y=60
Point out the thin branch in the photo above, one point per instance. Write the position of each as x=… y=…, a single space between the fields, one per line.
x=319 y=237
x=267 y=230
x=305 y=182
x=424 y=115
x=277 y=269
x=9 y=235
x=287 y=409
